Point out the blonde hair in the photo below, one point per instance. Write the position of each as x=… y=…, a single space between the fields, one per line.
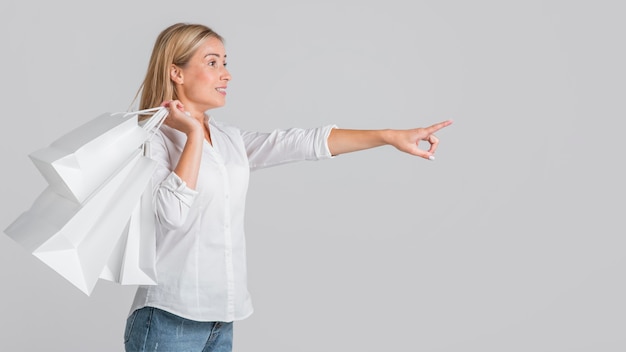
x=175 y=45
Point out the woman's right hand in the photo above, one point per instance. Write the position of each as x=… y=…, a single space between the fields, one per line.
x=178 y=119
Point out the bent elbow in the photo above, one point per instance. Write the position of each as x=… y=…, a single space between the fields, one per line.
x=173 y=203
x=169 y=219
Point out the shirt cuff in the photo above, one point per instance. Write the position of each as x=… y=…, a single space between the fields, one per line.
x=322 y=151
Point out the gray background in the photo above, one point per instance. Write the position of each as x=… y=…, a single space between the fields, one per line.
x=512 y=240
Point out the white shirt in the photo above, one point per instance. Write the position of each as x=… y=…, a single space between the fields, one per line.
x=201 y=250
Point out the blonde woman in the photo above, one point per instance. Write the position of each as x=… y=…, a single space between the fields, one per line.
x=200 y=189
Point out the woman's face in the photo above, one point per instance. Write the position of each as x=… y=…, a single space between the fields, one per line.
x=202 y=82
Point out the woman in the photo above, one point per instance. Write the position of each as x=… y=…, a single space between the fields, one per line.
x=200 y=188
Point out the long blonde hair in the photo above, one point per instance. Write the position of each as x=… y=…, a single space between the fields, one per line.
x=175 y=45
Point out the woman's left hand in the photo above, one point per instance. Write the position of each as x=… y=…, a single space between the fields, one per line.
x=408 y=140
x=342 y=141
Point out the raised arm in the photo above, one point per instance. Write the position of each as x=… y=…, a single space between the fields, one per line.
x=341 y=141
x=188 y=166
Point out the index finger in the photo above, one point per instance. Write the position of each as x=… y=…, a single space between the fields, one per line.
x=436 y=127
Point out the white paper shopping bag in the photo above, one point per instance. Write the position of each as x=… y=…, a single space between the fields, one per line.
x=139 y=261
x=134 y=257
x=82 y=223
x=78 y=162
x=76 y=240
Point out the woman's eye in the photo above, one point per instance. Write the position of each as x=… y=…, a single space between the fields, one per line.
x=215 y=64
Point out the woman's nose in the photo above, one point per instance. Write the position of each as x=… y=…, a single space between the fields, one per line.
x=226 y=75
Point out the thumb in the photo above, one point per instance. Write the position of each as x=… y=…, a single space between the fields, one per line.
x=415 y=150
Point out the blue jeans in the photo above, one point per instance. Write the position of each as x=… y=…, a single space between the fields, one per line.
x=153 y=329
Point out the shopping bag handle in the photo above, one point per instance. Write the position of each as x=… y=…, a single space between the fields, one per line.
x=153 y=123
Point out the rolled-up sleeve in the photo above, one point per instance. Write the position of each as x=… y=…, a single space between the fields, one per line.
x=172 y=198
x=285 y=146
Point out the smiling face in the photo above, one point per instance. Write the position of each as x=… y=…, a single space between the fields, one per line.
x=201 y=84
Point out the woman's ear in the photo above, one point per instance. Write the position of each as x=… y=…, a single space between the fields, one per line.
x=176 y=74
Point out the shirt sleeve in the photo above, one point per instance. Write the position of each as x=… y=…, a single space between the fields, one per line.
x=285 y=146
x=172 y=198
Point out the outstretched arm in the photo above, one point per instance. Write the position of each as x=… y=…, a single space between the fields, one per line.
x=342 y=141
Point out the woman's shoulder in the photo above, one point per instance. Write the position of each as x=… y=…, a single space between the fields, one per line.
x=224 y=127
x=167 y=135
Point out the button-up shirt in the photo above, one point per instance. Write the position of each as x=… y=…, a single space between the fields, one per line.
x=201 y=252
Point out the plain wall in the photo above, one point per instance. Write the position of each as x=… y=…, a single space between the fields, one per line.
x=512 y=240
